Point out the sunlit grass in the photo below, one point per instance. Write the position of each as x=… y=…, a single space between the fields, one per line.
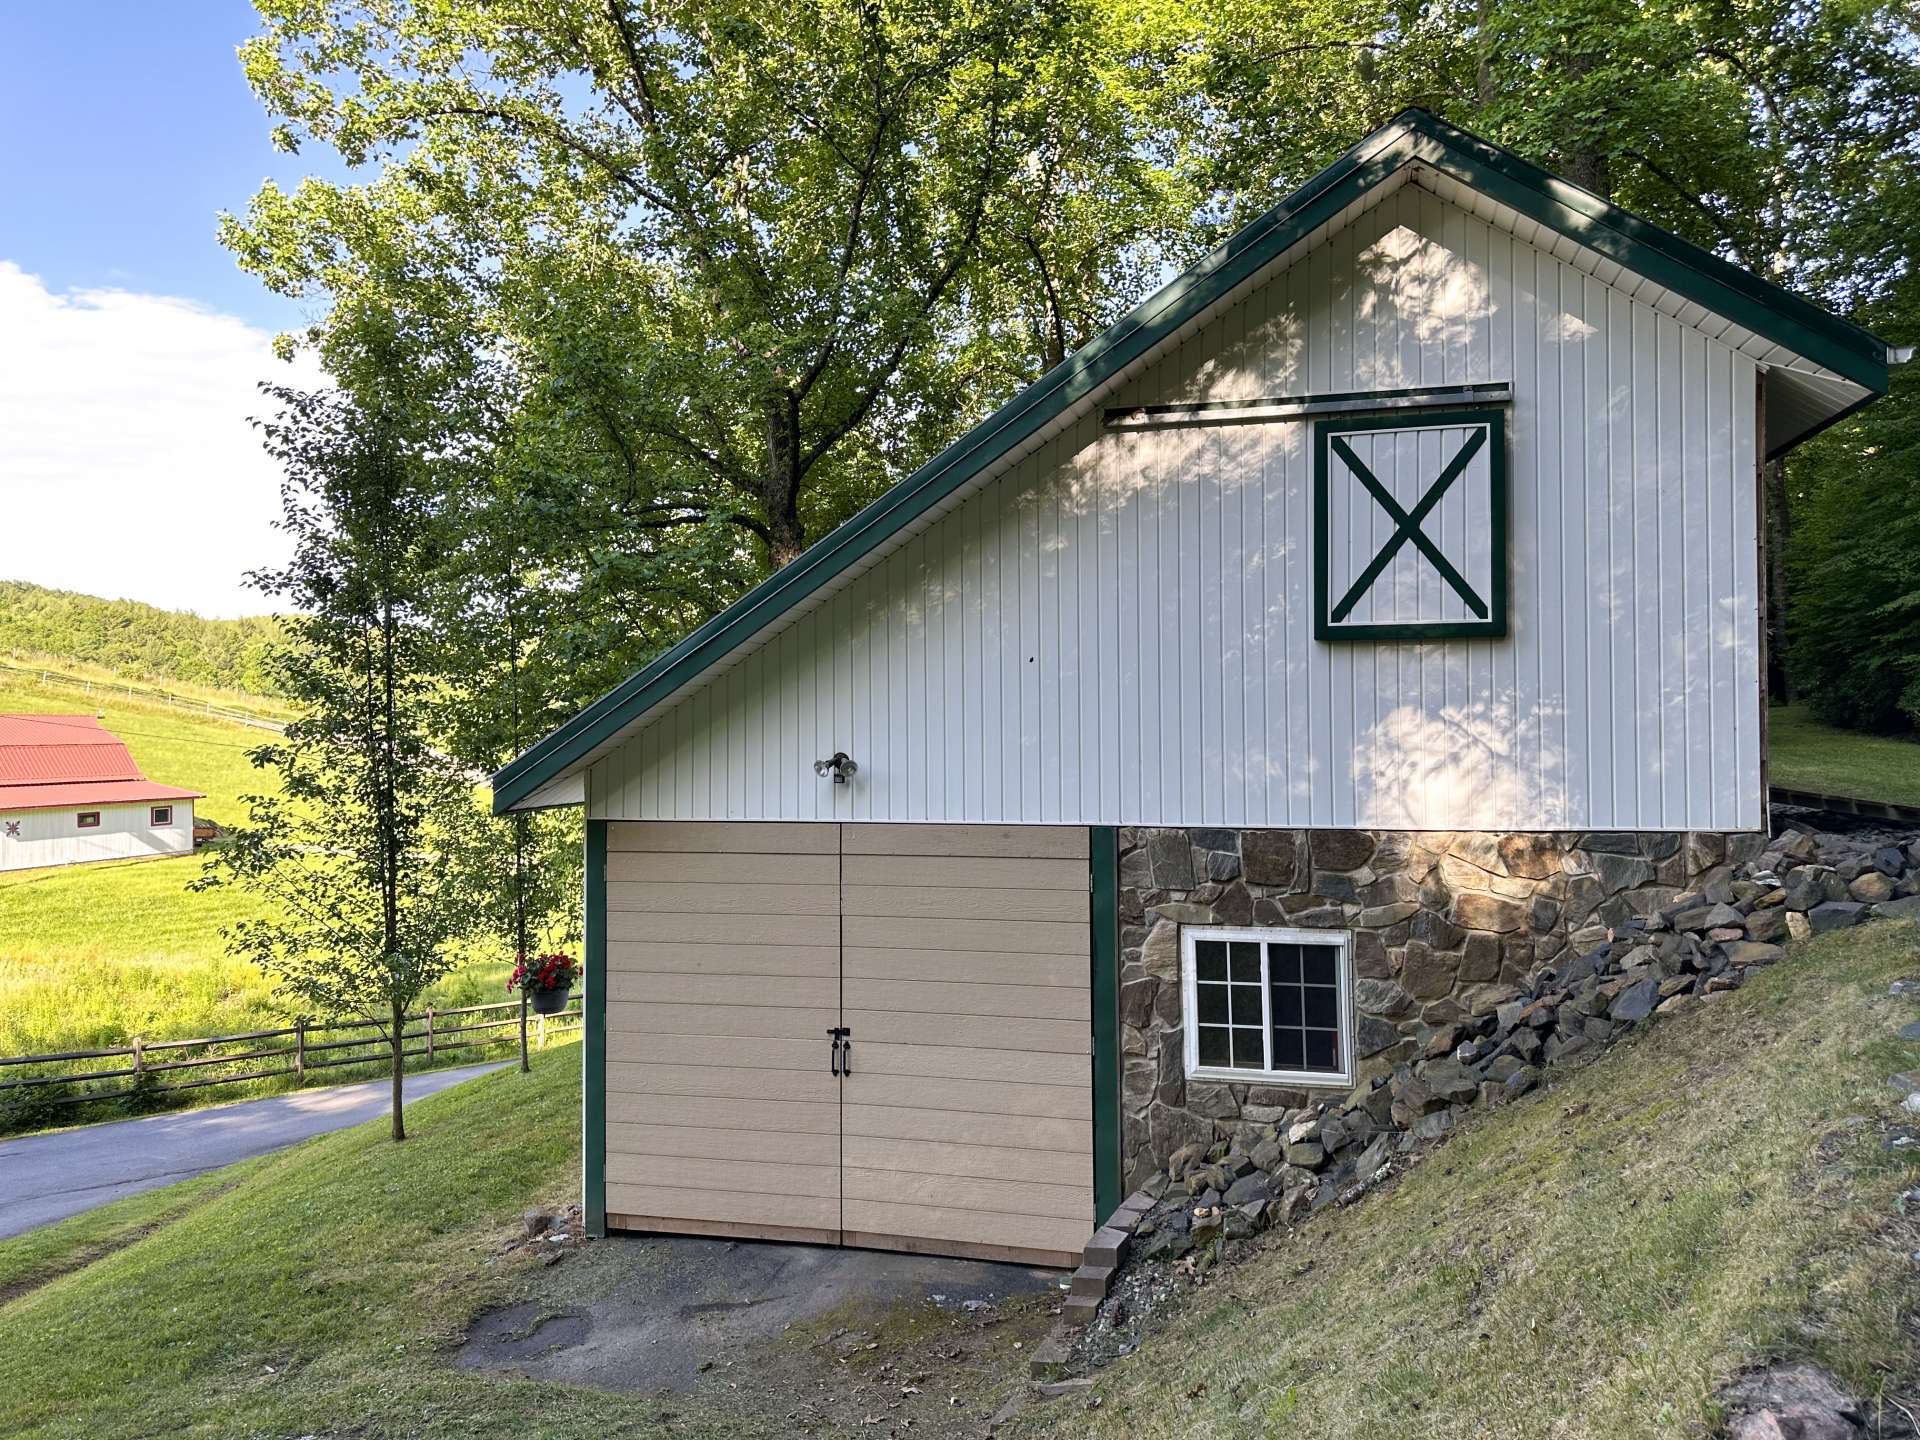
x=1803 y=754
x=1596 y=1260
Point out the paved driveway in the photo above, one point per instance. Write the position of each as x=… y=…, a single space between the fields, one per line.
x=44 y=1178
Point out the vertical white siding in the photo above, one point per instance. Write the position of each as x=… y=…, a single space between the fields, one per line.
x=1119 y=629
x=54 y=837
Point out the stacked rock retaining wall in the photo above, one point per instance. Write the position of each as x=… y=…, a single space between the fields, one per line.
x=1249 y=1159
x=1447 y=928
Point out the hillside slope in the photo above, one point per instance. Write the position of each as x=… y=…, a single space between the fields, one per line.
x=1595 y=1260
x=1592 y=1261
x=143 y=642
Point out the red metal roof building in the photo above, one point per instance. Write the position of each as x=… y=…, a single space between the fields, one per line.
x=70 y=792
x=51 y=762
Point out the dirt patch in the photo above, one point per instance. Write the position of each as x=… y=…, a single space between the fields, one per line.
x=790 y=1339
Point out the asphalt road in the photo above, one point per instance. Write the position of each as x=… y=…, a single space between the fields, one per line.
x=44 y=1178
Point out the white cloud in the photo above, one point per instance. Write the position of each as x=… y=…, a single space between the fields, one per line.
x=127 y=466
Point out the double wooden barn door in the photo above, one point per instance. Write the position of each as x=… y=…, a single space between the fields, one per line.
x=873 y=1035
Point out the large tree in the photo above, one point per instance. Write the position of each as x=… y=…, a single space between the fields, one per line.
x=744 y=238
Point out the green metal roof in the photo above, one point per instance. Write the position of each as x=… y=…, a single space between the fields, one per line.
x=1411 y=137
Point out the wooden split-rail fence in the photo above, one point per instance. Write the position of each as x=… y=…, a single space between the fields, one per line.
x=315 y=1045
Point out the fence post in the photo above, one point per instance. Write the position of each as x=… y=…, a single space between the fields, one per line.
x=139 y=1059
x=299 y=1049
x=429 y=1034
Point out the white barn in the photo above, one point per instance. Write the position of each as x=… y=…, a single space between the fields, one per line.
x=70 y=792
x=1379 y=604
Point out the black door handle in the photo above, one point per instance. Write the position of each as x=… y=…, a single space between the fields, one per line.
x=833 y=1062
x=846 y=1052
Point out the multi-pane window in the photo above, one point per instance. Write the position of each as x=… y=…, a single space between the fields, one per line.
x=1267 y=1004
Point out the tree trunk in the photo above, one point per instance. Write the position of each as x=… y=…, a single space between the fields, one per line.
x=1779 y=686
x=1580 y=161
x=780 y=488
x=398 y=1033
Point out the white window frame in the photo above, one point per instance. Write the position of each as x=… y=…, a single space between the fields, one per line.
x=154 y=822
x=1339 y=941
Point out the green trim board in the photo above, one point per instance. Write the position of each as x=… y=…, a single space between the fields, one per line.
x=1277 y=407
x=1104 y=852
x=593 y=1047
x=1487 y=432
x=1412 y=138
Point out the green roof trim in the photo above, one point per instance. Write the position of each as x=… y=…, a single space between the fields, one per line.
x=1414 y=136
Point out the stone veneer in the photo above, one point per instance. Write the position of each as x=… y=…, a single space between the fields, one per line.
x=1446 y=926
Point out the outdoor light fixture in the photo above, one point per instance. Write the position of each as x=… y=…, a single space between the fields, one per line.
x=841 y=767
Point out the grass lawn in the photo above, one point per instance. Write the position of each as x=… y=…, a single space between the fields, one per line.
x=1595 y=1260
x=93 y=955
x=1803 y=754
x=310 y=1292
x=1592 y=1261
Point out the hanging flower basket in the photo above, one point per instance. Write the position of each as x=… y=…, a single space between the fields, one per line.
x=546 y=980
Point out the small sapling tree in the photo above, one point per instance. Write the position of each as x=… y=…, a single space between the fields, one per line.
x=363 y=913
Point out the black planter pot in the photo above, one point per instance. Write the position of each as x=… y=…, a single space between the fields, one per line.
x=550 y=1002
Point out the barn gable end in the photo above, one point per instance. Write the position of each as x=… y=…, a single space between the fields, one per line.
x=1120 y=628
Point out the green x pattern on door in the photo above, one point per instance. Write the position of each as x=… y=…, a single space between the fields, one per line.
x=1485 y=432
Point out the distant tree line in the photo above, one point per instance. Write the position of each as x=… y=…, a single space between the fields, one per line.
x=138 y=641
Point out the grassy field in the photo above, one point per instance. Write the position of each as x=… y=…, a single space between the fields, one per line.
x=94 y=955
x=1803 y=754
x=311 y=1292
x=1596 y=1260
x=1592 y=1261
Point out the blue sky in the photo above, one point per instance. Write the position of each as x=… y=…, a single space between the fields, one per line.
x=131 y=345
x=127 y=129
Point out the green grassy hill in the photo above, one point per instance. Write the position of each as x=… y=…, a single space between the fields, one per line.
x=1804 y=754
x=93 y=955
x=126 y=638
x=1597 y=1259
x=1591 y=1261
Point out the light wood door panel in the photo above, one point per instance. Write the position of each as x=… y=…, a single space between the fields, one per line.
x=945 y=872
x=747 y=1177
x=961 y=997
x=957 y=956
x=798 y=1022
x=726 y=837
x=967 y=1127
x=774 y=1147
x=979 y=966
x=986 y=1162
x=713 y=1112
x=672 y=957
x=722 y=1082
x=952 y=903
x=658 y=1207
x=999 y=1197
x=1027 y=842
x=861 y=1218
x=723 y=978
x=967 y=1118
x=701 y=867
x=980 y=1032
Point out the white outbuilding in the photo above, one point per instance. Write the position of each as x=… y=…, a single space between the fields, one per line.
x=70 y=792
x=1367 y=622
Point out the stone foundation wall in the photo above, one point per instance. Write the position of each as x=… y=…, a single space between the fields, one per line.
x=1446 y=927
